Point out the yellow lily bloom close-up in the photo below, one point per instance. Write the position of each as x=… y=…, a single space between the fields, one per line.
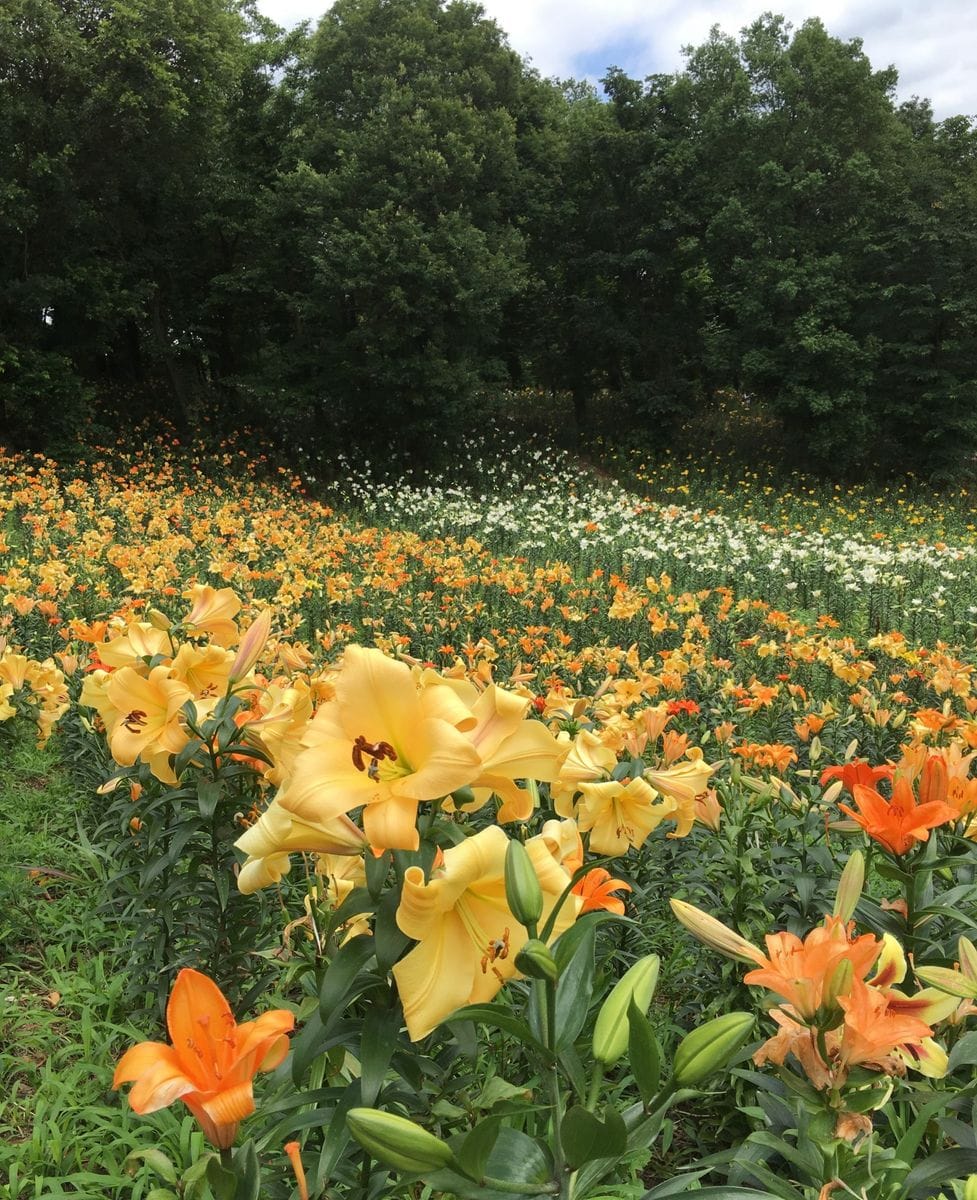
x=141 y=715
x=467 y=937
x=385 y=745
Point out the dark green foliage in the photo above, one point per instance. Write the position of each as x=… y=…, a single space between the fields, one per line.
x=347 y=235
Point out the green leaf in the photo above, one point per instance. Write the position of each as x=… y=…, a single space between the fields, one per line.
x=515 y=1158
x=582 y=1135
x=498 y=1089
x=909 y=1143
x=576 y=983
x=341 y=974
x=155 y=1159
x=223 y=1183
x=933 y=1173
x=377 y=870
x=389 y=941
x=208 y=795
x=248 y=1172
x=473 y=1155
x=964 y=1053
x=381 y=1029
x=498 y=1017
x=644 y=1053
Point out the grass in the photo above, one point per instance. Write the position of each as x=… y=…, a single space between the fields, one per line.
x=63 y=1131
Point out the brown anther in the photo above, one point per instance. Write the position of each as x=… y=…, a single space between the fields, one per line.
x=135 y=720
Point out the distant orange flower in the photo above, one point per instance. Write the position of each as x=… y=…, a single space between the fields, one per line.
x=212 y=1061
x=597 y=888
x=897 y=824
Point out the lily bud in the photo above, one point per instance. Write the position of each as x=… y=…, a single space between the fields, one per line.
x=710 y=1047
x=715 y=934
x=850 y=886
x=159 y=620
x=535 y=960
x=251 y=645
x=397 y=1142
x=522 y=890
x=612 y=1029
x=838 y=983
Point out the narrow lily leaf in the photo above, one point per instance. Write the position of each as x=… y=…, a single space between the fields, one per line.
x=575 y=988
x=500 y=1018
x=390 y=943
x=339 y=978
x=933 y=1173
x=379 y=1040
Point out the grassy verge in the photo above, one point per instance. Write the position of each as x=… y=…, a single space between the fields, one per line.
x=63 y=1131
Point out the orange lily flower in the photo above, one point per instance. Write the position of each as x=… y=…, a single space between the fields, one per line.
x=803 y=972
x=597 y=890
x=858 y=771
x=873 y=1029
x=212 y=1061
x=897 y=824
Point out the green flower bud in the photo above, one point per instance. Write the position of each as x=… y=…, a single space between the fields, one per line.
x=535 y=960
x=612 y=1028
x=710 y=1047
x=159 y=620
x=522 y=891
x=970 y=1188
x=397 y=1142
x=850 y=886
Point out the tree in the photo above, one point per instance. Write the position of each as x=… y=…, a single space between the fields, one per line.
x=392 y=239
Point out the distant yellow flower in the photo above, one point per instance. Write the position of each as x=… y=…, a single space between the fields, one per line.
x=620 y=815
x=213 y=613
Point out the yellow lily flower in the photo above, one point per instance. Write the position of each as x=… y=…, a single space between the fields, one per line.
x=212 y=613
x=620 y=815
x=509 y=748
x=382 y=744
x=272 y=838
x=682 y=783
x=585 y=760
x=205 y=670
x=467 y=937
x=140 y=641
x=141 y=715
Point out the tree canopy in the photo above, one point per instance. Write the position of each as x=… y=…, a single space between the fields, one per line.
x=347 y=232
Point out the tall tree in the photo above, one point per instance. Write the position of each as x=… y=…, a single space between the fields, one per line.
x=392 y=236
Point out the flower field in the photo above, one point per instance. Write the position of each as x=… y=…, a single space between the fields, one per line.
x=545 y=829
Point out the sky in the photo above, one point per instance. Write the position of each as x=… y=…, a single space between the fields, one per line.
x=933 y=46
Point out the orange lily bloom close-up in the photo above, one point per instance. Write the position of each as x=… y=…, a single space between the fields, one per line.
x=897 y=824
x=802 y=972
x=212 y=1061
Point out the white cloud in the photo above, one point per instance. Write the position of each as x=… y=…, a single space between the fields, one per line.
x=934 y=46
